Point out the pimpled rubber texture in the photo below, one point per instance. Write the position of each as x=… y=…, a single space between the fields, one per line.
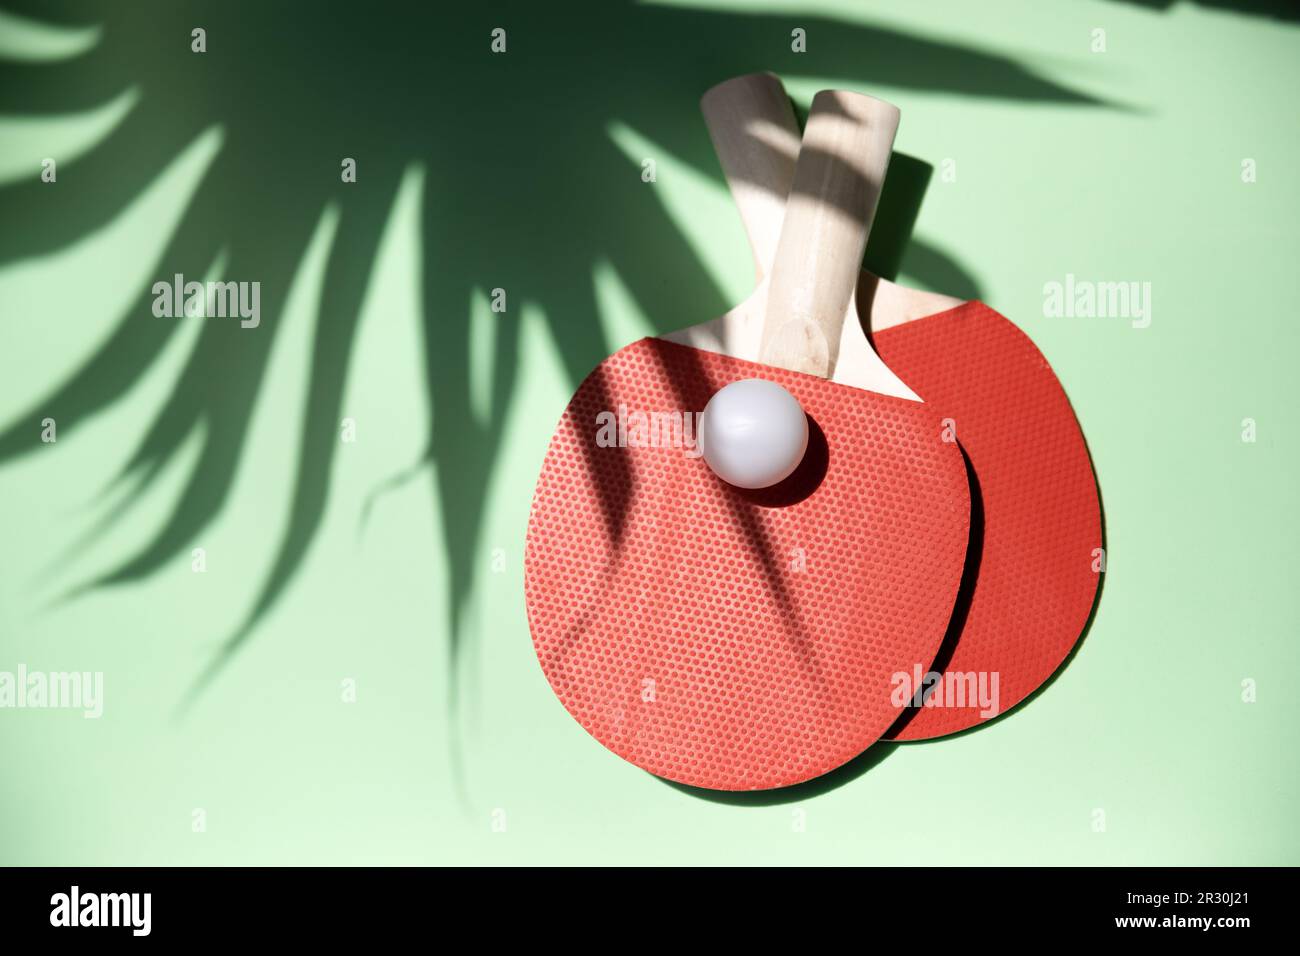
x=1034 y=552
x=712 y=636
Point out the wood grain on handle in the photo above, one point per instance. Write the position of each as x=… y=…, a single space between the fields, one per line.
x=756 y=137
x=837 y=182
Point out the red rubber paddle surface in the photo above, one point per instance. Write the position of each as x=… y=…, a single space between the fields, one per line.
x=740 y=640
x=1034 y=585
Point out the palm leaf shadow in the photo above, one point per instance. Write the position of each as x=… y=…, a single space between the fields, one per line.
x=1285 y=10
x=525 y=191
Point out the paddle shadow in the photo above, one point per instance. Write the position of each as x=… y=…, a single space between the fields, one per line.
x=868 y=760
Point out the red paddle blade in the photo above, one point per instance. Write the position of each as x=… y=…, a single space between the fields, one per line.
x=728 y=639
x=1036 y=560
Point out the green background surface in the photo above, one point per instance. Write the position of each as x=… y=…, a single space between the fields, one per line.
x=395 y=561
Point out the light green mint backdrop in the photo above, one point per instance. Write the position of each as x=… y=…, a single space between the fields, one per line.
x=396 y=565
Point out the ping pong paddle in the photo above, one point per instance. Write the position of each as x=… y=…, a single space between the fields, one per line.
x=1036 y=513
x=737 y=639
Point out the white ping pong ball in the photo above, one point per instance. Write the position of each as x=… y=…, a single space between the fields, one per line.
x=753 y=433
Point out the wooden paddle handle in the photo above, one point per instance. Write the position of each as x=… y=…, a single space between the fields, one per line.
x=756 y=136
x=837 y=181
